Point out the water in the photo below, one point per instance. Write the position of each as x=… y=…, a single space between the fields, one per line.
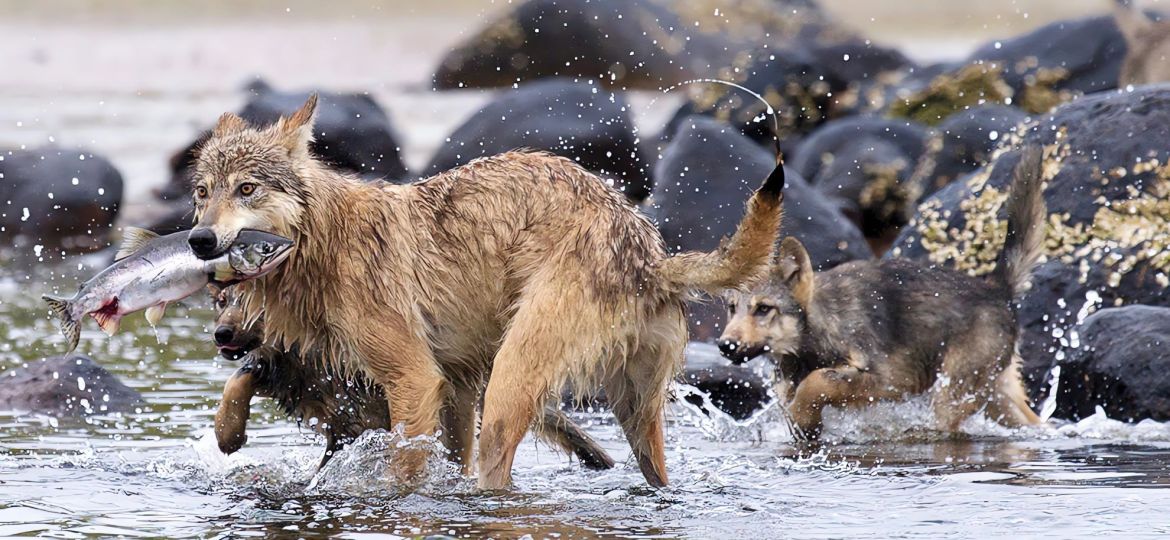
x=157 y=471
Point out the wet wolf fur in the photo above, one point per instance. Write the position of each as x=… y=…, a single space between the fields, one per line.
x=1147 y=41
x=871 y=330
x=522 y=270
x=344 y=407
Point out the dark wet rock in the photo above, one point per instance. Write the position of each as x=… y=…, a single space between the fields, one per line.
x=962 y=143
x=703 y=181
x=66 y=386
x=1071 y=57
x=572 y=119
x=738 y=391
x=64 y=199
x=649 y=44
x=805 y=86
x=352 y=134
x=1119 y=364
x=1109 y=226
x=865 y=164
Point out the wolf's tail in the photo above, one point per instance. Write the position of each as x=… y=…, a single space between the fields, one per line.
x=1026 y=213
x=69 y=326
x=743 y=257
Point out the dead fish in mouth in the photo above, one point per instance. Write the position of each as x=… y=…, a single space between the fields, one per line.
x=151 y=270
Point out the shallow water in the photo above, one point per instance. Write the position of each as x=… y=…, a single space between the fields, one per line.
x=157 y=472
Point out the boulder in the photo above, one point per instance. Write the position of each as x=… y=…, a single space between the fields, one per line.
x=352 y=134
x=646 y=44
x=703 y=181
x=571 y=119
x=865 y=164
x=805 y=85
x=962 y=143
x=1035 y=72
x=737 y=391
x=63 y=199
x=66 y=386
x=1118 y=362
x=1108 y=178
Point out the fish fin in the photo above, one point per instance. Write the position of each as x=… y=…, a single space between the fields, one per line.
x=108 y=322
x=133 y=239
x=69 y=326
x=154 y=313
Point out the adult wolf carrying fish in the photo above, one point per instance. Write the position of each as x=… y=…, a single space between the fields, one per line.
x=150 y=271
x=521 y=271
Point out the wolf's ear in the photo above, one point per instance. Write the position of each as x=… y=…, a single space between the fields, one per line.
x=794 y=270
x=229 y=123
x=296 y=132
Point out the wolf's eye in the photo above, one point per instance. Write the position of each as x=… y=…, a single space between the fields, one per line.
x=200 y=192
x=247 y=189
x=763 y=309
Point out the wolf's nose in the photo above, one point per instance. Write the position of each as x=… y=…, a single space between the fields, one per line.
x=224 y=335
x=729 y=348
x=202 y=242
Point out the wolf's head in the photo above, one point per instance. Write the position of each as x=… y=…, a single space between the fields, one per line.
x=771 y=318
x=250 y=178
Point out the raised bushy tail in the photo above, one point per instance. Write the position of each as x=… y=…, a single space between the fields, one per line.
x=69 y=326
x=740 y=259
x=1026 y=213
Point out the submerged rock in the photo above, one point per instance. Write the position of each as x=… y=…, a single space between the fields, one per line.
x=648 y=44
x=1119 y=363
x=571 y=119
x=702 y=182
x=736 y=390
x=1108 y=180
x=62 y=199
x=352 y=133
x=66 y=386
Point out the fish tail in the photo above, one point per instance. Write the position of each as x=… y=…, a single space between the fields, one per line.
x=69 y=326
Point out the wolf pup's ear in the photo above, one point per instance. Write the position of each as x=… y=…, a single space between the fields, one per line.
x=295 y=132
x=794 y=270
x=228 y=124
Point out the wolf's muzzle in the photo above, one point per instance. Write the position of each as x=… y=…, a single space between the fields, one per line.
x=203 y=242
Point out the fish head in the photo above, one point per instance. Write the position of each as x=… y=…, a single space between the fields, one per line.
x=256 y=253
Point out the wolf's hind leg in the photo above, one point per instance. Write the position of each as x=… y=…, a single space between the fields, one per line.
x=970 y=371
x=551 y=328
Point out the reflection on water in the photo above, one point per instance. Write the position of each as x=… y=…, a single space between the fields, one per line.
x=157 y=472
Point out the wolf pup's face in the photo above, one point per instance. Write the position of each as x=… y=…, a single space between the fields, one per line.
x=771 y=318
x=246 y=178
x=234 y=338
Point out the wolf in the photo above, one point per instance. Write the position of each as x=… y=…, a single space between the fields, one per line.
x=340 y=408
x=881 y=330
x=513 y=274
x=1147 y=44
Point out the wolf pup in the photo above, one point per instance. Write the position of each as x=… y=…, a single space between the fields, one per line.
x=337 y=407
x=523 y=270
x=882 y=330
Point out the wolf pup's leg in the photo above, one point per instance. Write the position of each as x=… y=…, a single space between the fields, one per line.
x=839 y=386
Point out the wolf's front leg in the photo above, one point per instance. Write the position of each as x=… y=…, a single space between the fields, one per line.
x=402 y=362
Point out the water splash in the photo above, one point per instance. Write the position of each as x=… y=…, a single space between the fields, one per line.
x=768 y=110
